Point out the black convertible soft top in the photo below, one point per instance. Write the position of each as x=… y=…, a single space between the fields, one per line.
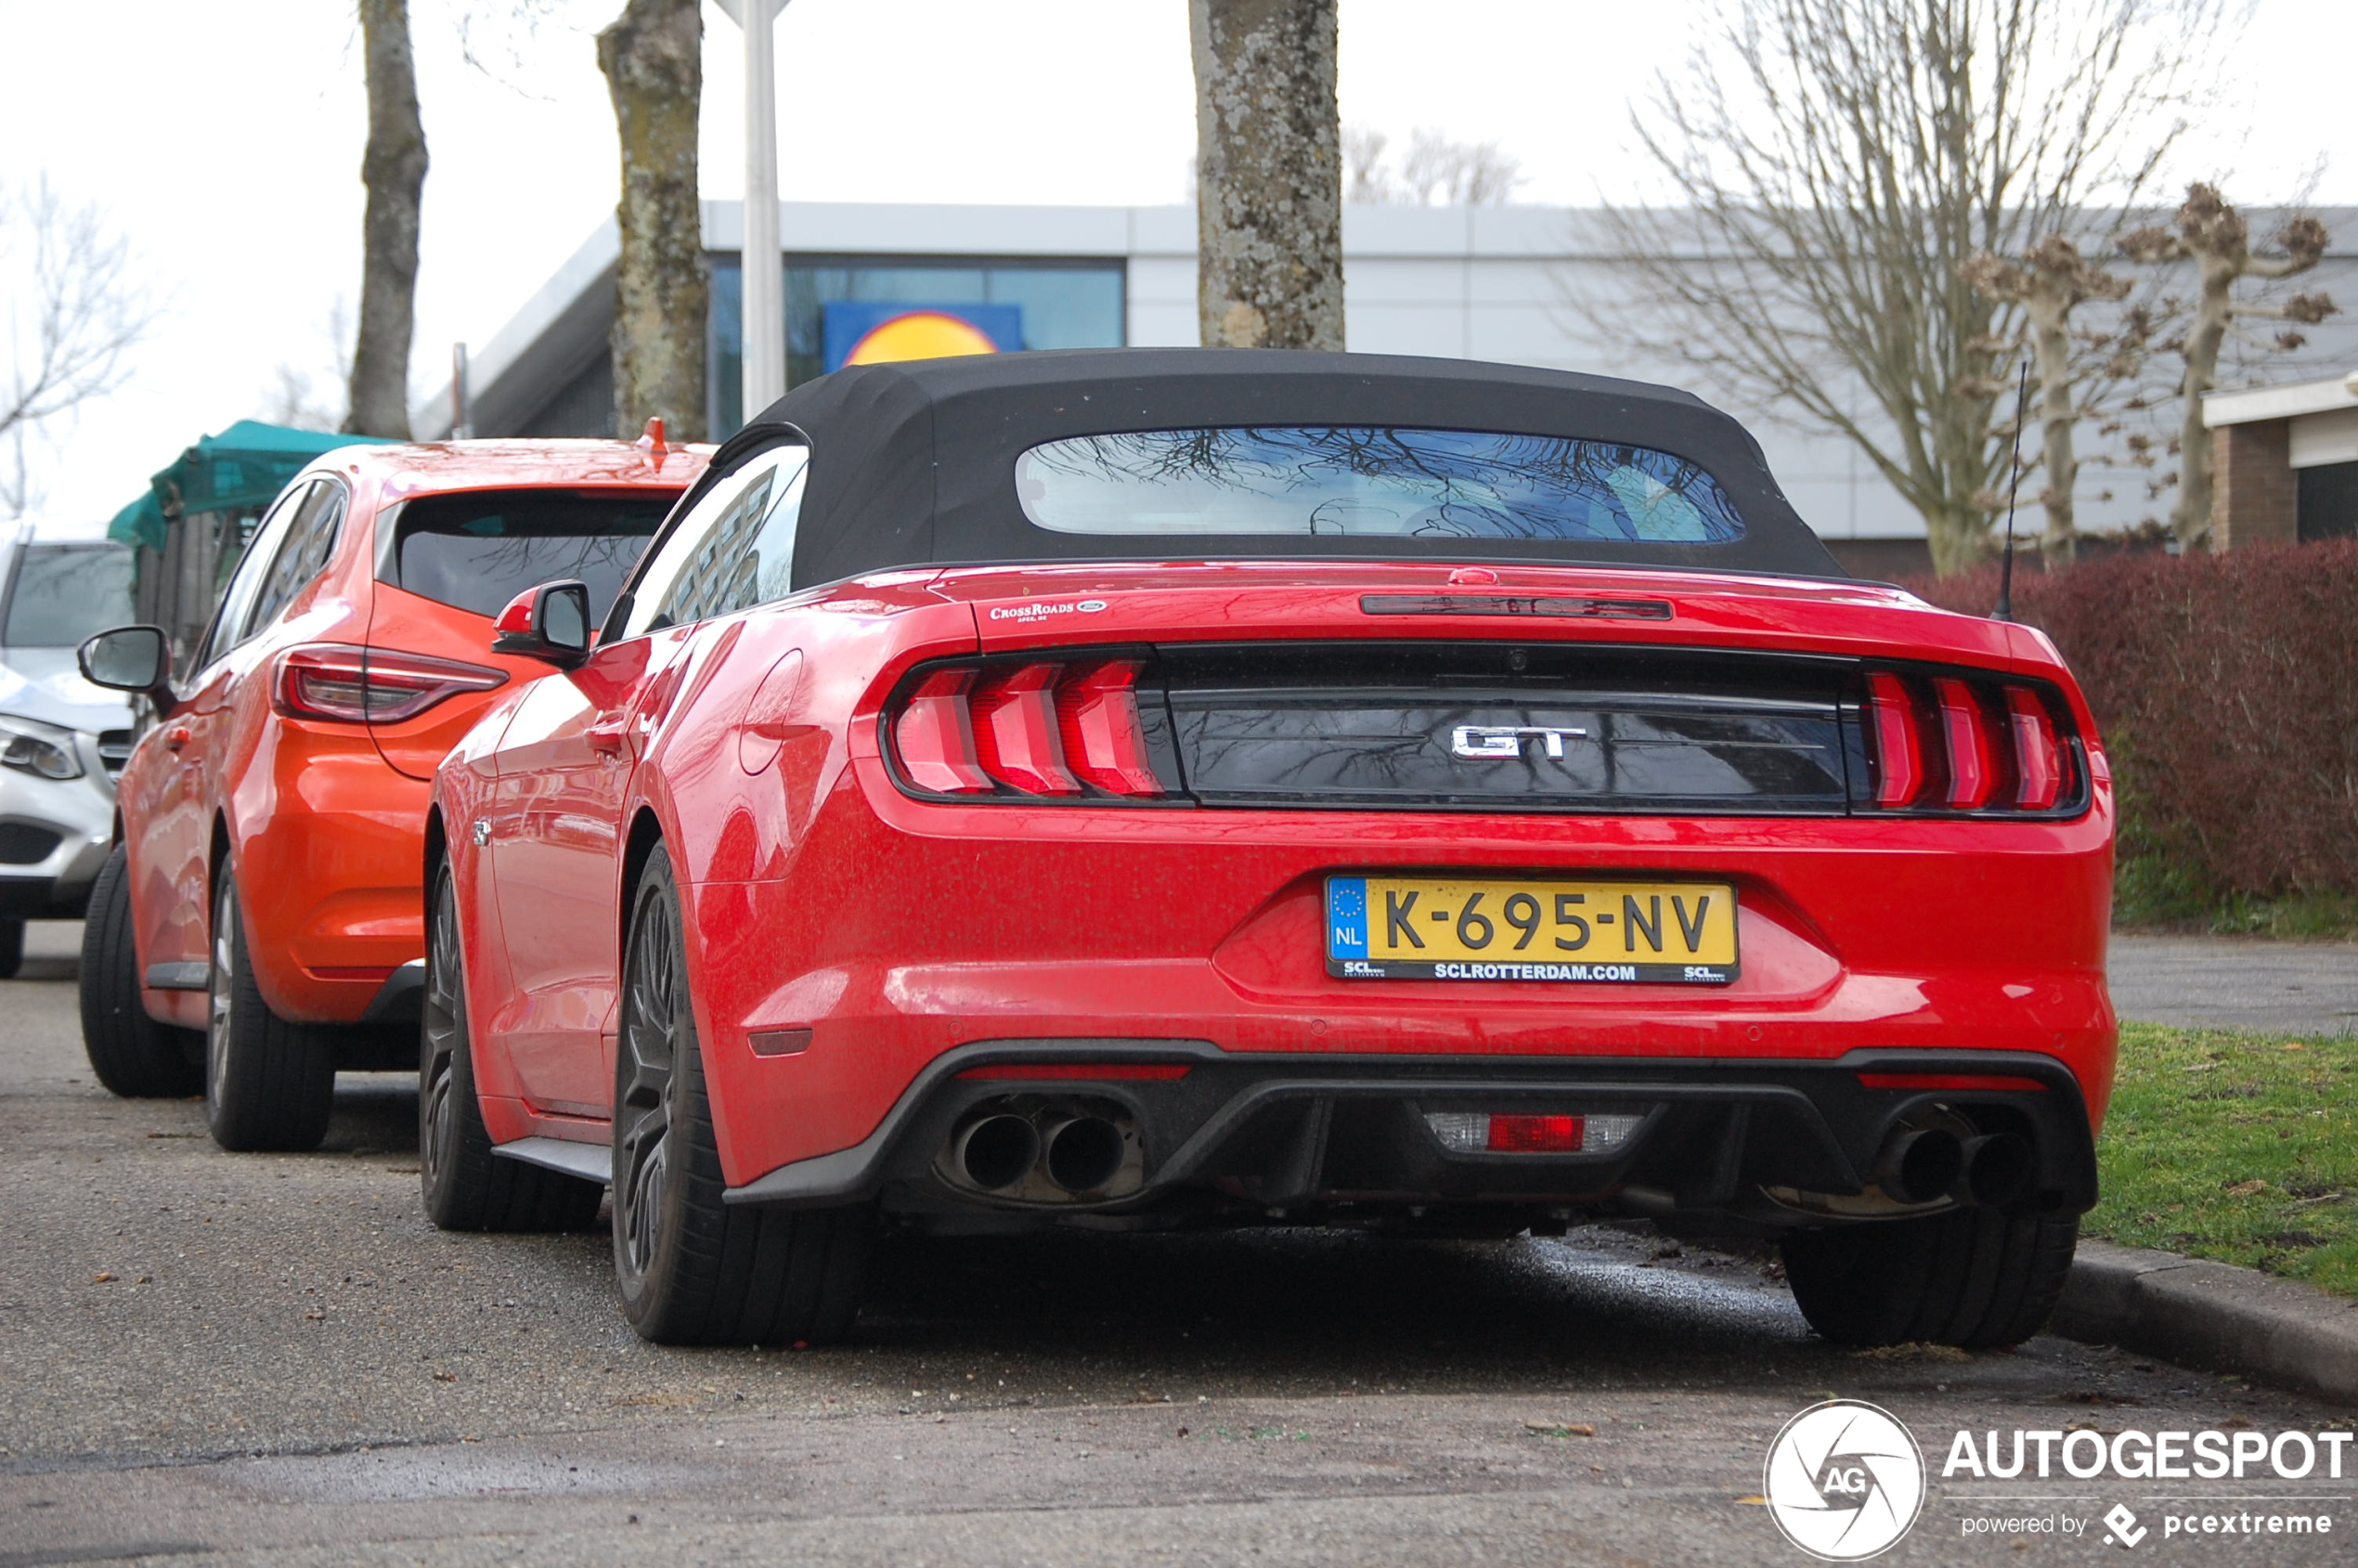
x=913 y=463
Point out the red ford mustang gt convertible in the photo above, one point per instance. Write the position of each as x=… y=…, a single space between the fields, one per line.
x=1218 y=788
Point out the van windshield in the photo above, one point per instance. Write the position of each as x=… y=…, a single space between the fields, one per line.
x=65 y=592
x=476 y=549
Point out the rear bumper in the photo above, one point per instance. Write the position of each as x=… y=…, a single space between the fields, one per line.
x=1719 y=1140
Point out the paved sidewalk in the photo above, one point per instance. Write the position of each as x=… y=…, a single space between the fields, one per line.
x=2236 y=982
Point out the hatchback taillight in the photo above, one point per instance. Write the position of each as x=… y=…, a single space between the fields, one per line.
x=350 y=685
x=1063 y=729
x=1959 y=742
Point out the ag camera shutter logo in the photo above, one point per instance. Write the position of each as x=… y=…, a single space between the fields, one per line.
x=1844 y=1480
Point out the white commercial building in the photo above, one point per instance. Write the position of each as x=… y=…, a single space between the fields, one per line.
x=1480 y=283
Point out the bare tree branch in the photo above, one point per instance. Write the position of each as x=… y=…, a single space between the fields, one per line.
x=74 y=310
x=1836 y=162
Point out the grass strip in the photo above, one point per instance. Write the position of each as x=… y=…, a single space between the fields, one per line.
x=2242 y=1148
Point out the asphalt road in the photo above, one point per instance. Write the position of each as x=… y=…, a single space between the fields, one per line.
x=2236 y=982
x=277 y=1360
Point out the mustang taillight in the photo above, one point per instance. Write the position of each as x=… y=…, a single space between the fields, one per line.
x=1963 y=742
x=1056 y=729
x=350 y=685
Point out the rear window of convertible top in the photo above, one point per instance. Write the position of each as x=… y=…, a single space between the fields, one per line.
x=479 y=549
x=1374 y=481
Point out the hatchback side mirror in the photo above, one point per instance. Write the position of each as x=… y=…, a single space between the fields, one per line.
x=129 y=658
x=550 y=623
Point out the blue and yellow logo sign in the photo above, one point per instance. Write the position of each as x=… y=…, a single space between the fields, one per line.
x=873 y=333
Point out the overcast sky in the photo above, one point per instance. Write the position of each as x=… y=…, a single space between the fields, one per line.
x=224 y=139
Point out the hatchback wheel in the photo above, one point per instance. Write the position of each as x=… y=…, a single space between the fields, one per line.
x=466 y=1186
x=132 y=1055
x=269 y=1083
x=1974 y=1279
x=693 y=1270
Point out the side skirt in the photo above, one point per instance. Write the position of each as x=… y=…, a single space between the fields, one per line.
x=590 y=1161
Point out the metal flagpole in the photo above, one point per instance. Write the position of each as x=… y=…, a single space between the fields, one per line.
x=761 y=280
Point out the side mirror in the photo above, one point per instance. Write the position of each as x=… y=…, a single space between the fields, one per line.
x=129 y=658
x=550 y=623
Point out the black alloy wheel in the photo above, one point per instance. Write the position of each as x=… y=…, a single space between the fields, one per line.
x=465 y=1186
x=130 y=1053
x=693 y=1269
x=269 y=1083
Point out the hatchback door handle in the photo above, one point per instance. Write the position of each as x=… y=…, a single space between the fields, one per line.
x=606 y=736
x=176 y=738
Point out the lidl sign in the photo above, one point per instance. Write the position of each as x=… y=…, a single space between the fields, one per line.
x=873 y=331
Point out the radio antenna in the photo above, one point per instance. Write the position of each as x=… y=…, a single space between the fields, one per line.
x=2005 y=611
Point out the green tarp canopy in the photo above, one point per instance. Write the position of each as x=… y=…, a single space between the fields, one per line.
x=239 y=470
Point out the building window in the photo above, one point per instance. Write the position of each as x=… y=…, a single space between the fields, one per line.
x=2329 y=503
x=1059 y=303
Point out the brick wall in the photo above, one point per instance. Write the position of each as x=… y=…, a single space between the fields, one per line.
x=2254 y=499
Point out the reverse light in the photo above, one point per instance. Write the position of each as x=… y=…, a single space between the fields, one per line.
x=352 y=685
x=1481 y=1132
x=1963 y=742
x=1069 y=729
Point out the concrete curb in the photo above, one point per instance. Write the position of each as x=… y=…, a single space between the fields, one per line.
x=2215 y=1316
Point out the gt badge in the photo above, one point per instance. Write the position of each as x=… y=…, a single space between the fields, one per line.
x=1505 y=741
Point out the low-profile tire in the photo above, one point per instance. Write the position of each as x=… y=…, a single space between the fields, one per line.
x=692 y=1270
x=269 y=1083
x=466 y=1187
x=132 y=1055
x=1973 y=1279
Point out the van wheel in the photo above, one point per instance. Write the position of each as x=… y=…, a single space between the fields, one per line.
x=11 y=948
x=692 y=1270
x=269 y=1083
x=132 y=1055
x=1974 y=1279
x=466 y=1187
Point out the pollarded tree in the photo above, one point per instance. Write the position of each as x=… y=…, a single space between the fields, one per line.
x=2049 y=281
x=2213 y=236
x=1269 y=173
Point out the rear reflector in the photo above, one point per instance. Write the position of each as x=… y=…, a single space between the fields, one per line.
x=1949 y=1081
x=1478 y=1132
x=1963 y=742
x=1058 y=729
x=1163 y=1071
x=351 y=685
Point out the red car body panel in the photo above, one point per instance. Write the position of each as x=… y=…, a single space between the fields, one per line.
x=324 y=821
x=822 y=898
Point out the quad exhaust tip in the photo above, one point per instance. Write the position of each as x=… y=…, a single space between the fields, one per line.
x=998 y=1151
x=1922 y=1165
x=1084 y=1153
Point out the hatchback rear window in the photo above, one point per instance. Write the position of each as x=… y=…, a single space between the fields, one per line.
x=477 y=549
x=1374 y=482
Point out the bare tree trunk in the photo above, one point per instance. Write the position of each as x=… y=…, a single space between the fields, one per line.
x=652 y=57
x=2051 y=350
x=394 y=168
x=1269 y=197
x=2190 y=517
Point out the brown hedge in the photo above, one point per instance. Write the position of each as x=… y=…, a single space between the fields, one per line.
x=2226 y=689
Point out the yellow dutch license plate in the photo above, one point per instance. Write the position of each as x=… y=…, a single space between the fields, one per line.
x=1467 y=928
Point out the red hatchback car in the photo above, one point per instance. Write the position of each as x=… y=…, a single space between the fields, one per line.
x=1217 y=788
x=258 y=925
